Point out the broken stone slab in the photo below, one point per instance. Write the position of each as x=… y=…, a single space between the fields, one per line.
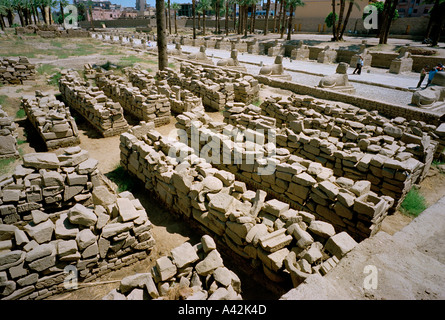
x=274 y=261
x=81 y=215
x=276 y=240
x=11 y=259
x=322 y=229
x=304 y=238
x=65 y=248
x=208 y=244
x=38 y=216
x=340 y=244
x=41 y=160
x=113 y=229
x=221 y=202
x=211 y=262
x=164 y=269
x=40 y=251
x=139 y=280
x=127 y=211
x=103 y=196
x=42 y=232
x=85 y=238
x=258 y=202
x=65 y=229
x=255 y=233
x=361 y=187
x=275 y=207
x=184 y=255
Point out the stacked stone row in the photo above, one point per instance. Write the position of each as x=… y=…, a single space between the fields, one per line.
x=51 y=119
x=146 y=106
x=8 y=136
x=358 y=144
x=105 y=115
x=269 y=234
x=181 y=100
x=187 y=273
x=349 y=205
x=58 y=240
x=15 y=70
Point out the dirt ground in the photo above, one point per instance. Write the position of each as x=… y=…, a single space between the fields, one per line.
x=168 y=230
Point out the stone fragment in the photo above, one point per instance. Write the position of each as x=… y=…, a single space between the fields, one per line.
x=65 y=229
x=340 y=244
x=127 y=211
x=81 y=215
x=184 y=255
x=40 y=251
x=164 y=269
x=258 y=202
x=212 y=261
x=85 y=238
x=38 y=216
x=42 y=232
x=322 y=229
x=208 y=244
x=275 y=207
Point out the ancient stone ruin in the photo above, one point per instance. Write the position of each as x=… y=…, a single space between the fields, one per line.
x=432 y=97
x=366 y=57
x=60 y=213
x=200 y=56
x=16 y=70
x=301 y=52
x=403 y=62
x=276 y=70
x=187 y=273
x=51 y=119
x=232 y=62
x=338 y=81
x=8 y=136
x=327 y=55
x=105 y=115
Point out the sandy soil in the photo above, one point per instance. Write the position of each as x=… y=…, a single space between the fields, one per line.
x=168 y=230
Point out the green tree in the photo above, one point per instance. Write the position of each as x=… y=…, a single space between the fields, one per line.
x=62 y=4
x=341 y=21
x=386 y=13
x=329 y=20
x=436 y=21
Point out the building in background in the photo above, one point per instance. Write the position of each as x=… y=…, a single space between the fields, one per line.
x=413 y=8
x=141 y=6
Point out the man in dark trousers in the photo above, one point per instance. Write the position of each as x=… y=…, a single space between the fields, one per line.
x=423 y=73
x=359 y=66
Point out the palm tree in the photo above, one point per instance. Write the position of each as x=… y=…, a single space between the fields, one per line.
x=169 y=18
x=226 y=22
x=275 y=15
x=176 y=7
x=4 y=7
x=194 y=15
x=63 y=3
x=292 y=5
x=283 y=17
x=204 y=6
x=266 y=23
x=161 y=37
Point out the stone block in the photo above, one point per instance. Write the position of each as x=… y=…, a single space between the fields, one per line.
x=340 y=244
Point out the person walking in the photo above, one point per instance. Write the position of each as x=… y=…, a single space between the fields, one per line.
x=423 y=73
x=431 y=76
x=359 y=66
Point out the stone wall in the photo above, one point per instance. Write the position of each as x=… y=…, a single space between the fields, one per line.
x=145 y=105
x=356 y=144
x=61 y=219
x=15 y=70
x=106 y=116
x=51 y=119
x=267 y=233
x=215 y=86
x=8 y=136
x=186 y=273
x=52 y=31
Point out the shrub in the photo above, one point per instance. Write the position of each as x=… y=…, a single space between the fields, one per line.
x=414 y=203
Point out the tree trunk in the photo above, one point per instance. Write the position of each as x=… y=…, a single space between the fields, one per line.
x=334 y=31
x=291 y=15
x=199 y=21
x=217 y=17
x=383 y=18
x=254 y=19
x=348 y=13
x=19 y=11
x=226 y=23
x=90 y=10
x=240 y=18
x=340 y=19
x=266 y=23
x=2 y=22
x=275 y=15
x=234 y=17
x=169 y=18
x=61 y=12
x=283 y=21
x=433 y=15
x=35 y=15
x=176 y=26
x=203 y=22
x=10 y=17
x=388 y=19
x=161 y=36
x=245 y=20
x=194 y=20
x=50 y=18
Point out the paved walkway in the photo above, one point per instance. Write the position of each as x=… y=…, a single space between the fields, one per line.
x=409 y=265
x=377 y=83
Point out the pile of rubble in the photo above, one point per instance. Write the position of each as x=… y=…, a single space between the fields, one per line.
x=269 y=234
x=8 y=136
x=51 y=119
x=393 y=154
x=105 y=115
x=15 y=70
x=187 y=273
x=252 y=155
x=146 y=105
x=62 y=219
x=215 y=86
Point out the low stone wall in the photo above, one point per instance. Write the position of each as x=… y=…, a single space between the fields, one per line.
x=51 y=119
x=281 y=240
x=8 y=136
x=106 y=116
x=52 y=31
x=62 y=221
x=305 y=184
x=186 y=273
x=15 y=70
x=215 y=86
x=146 y=106
x=393 y=154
